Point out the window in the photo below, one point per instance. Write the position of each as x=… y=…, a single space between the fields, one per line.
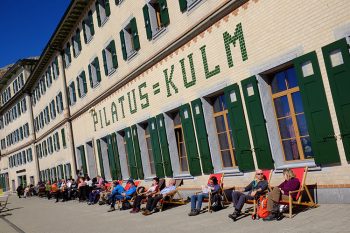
x=224 y=132
x=88 y=28
x=29 y=155
x=156 y=16
x=42 y=86
x=63 y=138
x=149 y=149
x=94 y=73
x=67 y=55
x=52 y=109
x=41 y=119
x=187 y=5
x=50 y=145
x=46 y=115
x=55 y=69
x=290 y=117
x=180 y=143
x=24 y=157
x=110 y=60
x=129 y=40
x=24 y=105
x=21 y=133
x=72 y=95
x=15 y=86
x=48 y=77
x=81 y=84
x=103 y=11
x=59 y=102
x=118 y=2
x=26 y=130
x=76 y=43
x=57 y=141
x=44 y=146
x=20 y=81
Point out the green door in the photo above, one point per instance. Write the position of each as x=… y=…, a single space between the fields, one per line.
x=257 y=123
x=316 y=110
x=157 y=154
x=202 y=136
x=111 y=159
x=164 y=145
x=83 y=159
x=338 y=73
x=243 y=153
x=130 y=152
x=137 y=152
x=116 y=157
x=190 y=140
x=100 y=161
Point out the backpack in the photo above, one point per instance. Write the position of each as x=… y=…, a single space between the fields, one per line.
x=126 y=205
x=262 y=208
x=216 y=202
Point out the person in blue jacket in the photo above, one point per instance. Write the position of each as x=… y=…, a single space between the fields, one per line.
x=119 y=193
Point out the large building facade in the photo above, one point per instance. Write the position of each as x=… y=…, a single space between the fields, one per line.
x=188 y=88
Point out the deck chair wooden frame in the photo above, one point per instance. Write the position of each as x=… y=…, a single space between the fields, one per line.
x=4 y=202
x=169 y=198
x=303 y=188
x=120 y=202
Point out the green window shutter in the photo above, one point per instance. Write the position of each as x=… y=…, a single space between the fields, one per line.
x=73 y=40
x=135 y=34
x=99 y=152
x=84 y=31
x=339 y=82
x=116 y=157
x=97 y=6
x=147 y=22
x=105 y=62
x=107 y=8
x=74 y=93
x=183 y=5
x=137 y=150
x=83 y=159
x=90 y=76
x=98 y=71
x=257 y=124
x=202 y=136
x=114 y=54
x=63 y=138
x=157 y=156
x=131 y=155
x=111 y=159
x=164 y=145
x=243 y=153
x=190 y=140
x=83 y=78
x=91 y=24
x=78 y=39
x=78 y=86
x=316 y=111
x=164 y=13
x=122 y=41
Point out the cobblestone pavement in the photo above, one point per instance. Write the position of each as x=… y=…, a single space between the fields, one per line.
x=39 y=215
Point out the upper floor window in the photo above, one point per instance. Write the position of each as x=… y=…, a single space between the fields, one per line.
x=187 y=5
x=46 y=115
x=67 y=55
x=48 y=77
x=55 y=69
x=59 y=102
x=42 y=86
x=94 y=73
x=15 y=86
x=71 y=94
x=52 y=109
x=110 y=60
x=129 y=40
x=24 y=105
x=81 y=84
x=88 y=27
x=156 y=16
x=103 y=11
x=76 y=42
x=20 y=81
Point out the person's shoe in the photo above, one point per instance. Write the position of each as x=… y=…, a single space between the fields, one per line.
x=156 y=210
x=192 y=213
x=147 y=212
x=111 y=209
x=234 y=215
x=271 y=217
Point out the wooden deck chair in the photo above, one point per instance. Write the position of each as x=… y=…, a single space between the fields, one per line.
x=300 y=173
x=220 y=178
x=3 y=202
x=170 y=197
x=267 y=176
x=126 y=188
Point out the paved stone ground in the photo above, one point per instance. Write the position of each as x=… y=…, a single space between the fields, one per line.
x=38 y=215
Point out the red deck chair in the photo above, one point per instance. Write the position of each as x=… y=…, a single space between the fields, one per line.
x=126 y=188
x=300 y=173
x=170 y=197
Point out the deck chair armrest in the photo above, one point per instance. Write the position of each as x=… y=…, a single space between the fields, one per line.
x=295 y=191
x=170 y=193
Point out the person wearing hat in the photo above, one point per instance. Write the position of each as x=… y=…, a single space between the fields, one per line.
x=122 y=194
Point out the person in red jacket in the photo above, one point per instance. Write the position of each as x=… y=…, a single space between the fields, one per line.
x=281 y=192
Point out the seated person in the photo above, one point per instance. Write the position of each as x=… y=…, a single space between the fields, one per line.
x=94 y=195
x=48 y=189
x=258 y=186
x=63 y=191
x=116 y=190
x=153 y=201
x=151 y=192
x=54 y=190
x=197 y=199
x=281 y=192
x=26 y=192
x=105 y=194
x=20 y=191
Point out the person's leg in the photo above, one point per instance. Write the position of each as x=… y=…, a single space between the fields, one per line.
x=200 y=200
x=137 y=202
x=155 y=201
x=273 y=197
x=193 y=202
x=149 y=203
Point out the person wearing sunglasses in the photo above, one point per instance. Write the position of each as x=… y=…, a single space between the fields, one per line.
x=257 y=187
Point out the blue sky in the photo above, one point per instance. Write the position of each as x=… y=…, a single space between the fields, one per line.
x=26 y=26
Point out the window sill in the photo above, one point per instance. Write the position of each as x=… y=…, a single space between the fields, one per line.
x=306 y=163
x=194 y=5
x=88 y=40
x=131 y=54
x=72 y=104
x=184 y=176
x=159 y=31
x=111 y=72
x=95 y=85
x=82 y=95
x=104 y=21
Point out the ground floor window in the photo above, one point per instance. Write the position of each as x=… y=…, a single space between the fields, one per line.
x=180 y=143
